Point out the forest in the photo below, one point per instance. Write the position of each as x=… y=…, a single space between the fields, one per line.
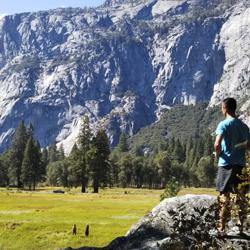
x=171 y=153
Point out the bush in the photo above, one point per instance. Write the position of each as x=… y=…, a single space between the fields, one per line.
x=172 y=189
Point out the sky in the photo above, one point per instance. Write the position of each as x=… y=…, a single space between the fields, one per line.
x=8 y=7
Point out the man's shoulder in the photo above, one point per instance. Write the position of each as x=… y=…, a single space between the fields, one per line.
x=242 y=124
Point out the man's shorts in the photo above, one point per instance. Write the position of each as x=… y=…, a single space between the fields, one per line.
x=227 y=178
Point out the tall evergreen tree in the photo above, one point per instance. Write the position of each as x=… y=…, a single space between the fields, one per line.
x=61 y=154
x=178 y=153
x=4 y=162
x=206 y=171
x=84 y=141
x=208 y=144
x=29 y=165
x=99 y=159
x=75 y=167
x=17 y=154
x=126 y=170
x=40 y=171
x=139 y=171
x=163 y=164
x=123 y=145
x=45 y=156
x=53 y=153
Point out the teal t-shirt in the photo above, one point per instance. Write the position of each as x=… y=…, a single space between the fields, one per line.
x=234 y=131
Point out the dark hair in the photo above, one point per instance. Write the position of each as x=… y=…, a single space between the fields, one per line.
x=230 y=104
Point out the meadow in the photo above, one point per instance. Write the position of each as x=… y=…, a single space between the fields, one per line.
x=43 y=220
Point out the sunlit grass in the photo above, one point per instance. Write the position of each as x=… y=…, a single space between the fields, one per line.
x=43 y=220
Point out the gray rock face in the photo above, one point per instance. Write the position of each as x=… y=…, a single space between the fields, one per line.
x=121 y=64
x=178 y=223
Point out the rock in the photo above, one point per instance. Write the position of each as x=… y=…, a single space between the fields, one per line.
x=58 y=191
x=178 y=223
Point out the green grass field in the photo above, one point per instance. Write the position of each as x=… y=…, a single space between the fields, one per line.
x=43 y=220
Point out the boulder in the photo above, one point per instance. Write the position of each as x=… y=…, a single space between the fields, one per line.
x=184 y=222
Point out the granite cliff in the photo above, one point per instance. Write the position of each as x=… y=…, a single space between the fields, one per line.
x=122 y=64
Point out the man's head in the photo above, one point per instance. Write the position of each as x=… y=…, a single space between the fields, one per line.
x=229 y=106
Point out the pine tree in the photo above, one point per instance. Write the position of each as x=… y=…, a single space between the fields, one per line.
x=40 y=171
x=53 y=153
x=17 y=154
x=61 y=154
x=208 y=144
x=99 y=159
x=84 y=141
x=139 y=171
x=29 y=165
x=75 y=167
x=163 y=164
x=206 y=171
x=4 y=165
x=45 y=157
x=123 y=145
x=44 y=162
x=126 y=170
x=178 y=153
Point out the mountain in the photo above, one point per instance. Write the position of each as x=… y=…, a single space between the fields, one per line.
x=122 y=64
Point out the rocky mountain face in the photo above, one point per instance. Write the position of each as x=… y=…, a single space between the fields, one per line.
x=179 y=223
x=122 y=64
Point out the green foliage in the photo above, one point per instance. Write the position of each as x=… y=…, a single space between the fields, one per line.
x=53 y=153
x=206 y=171
x=57 y=173
x=84 y=142
x=98 y=158
x=180 y=122
x=75 y=167
x=17 y=153
x=163 y=165
x=126 y=170
x=32 y=167
x=5 y=162
x=123 y=145
x=172 y=189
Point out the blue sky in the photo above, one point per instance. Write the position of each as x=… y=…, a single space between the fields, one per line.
x=17 y=6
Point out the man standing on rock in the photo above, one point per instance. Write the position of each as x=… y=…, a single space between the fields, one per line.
x=232 y=140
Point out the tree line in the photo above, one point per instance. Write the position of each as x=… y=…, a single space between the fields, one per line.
x=91 y=162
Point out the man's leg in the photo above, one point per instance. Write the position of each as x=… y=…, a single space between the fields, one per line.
x=224 y=210
x=241 y=201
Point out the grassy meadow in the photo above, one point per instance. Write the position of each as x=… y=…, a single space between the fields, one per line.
x=44 y=220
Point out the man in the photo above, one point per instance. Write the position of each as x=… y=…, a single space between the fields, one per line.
x=232 y=140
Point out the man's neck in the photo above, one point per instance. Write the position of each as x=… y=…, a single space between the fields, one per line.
x=230 y=115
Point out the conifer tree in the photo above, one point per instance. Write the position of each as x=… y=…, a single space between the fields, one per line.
x=44 y=162
x=41 y=168
x=84 y=141
x=163 y=164
x=138 y=168
x=17 y=154
x=99 y=159
x=4 y=165
x=126 y=170
x=29 y=165
x=53 y=153
x=75 y=167
x=208 y=144
x=178 y=153
x=206 y=171
x=123 y=145
x=61 y=154
x=45 y=157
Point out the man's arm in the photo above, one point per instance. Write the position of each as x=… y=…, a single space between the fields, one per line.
x=217 y=145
